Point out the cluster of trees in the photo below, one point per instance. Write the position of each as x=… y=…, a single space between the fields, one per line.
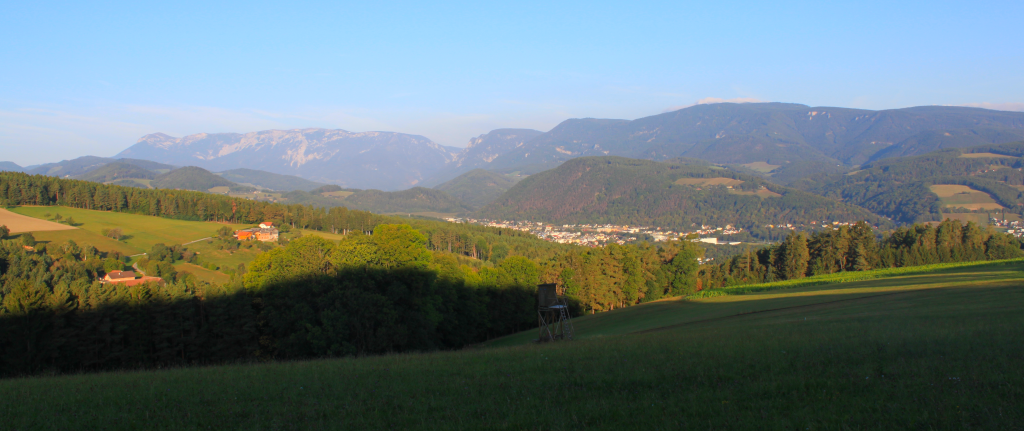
x=312 y=298
x=857 y=248
x=22 y=189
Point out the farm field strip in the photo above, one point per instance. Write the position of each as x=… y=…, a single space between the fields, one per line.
x=19 y=223
x=958 y=196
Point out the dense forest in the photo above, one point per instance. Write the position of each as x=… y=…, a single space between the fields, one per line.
x=644 y=193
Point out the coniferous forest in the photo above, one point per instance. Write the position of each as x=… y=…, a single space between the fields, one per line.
x=390 y=285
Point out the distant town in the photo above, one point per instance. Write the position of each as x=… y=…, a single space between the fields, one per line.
x=597 y=235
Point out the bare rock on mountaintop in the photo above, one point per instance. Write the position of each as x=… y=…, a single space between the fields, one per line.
x=383 y=160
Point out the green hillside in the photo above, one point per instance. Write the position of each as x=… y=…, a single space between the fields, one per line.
x=645 y=193
x=416 y=199
x=478 y=187
x=116 y=171
x=933 y=349
x=901 y=188
x=269 y=180
x=190 y=178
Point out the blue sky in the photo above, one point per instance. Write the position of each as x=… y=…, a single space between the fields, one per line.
x=81 y=78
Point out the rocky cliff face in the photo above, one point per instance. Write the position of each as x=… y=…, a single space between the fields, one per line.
x=380 y=160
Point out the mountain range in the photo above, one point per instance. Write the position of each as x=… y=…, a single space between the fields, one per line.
x=384 y=160
x=760 y=136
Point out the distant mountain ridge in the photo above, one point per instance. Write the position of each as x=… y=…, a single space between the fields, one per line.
x=10 y=166
x=774 y=133
x=384 y=160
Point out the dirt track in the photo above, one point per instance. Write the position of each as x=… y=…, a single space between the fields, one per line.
x=18 y=223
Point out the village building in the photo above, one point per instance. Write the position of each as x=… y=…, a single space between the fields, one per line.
x=266 y=232
x=119 y=276
x=138 y=281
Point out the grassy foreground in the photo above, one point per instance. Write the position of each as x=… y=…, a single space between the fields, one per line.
x=922 y=351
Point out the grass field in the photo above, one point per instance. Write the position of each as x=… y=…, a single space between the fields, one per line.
x=760 y=166
x=203 y=274
x=340 y=194
x=924 y=348
x=764 y=193
x=957 y=196
x=223 y=258
x=719 y=181
x=141 y=231
x=985 y=155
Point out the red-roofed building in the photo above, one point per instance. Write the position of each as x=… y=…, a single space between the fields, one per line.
x=142 y=280
x=266 y=225
x=119 y=276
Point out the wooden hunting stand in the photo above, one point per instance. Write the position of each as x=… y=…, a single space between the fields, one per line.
x=553 y=319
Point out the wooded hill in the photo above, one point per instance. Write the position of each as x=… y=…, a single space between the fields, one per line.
x=641 y=192
x=269 y=180
x=899 y=188
x=478 y=187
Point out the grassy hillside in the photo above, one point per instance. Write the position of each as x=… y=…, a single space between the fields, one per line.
x=478 y=187
x=190 y=178
x=645 y=193
x=141 y=232
x=269 y=180
x=902 y=188
x=923 y=351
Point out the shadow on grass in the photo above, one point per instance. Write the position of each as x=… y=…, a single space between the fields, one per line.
x=679 y=312
x=356 y=312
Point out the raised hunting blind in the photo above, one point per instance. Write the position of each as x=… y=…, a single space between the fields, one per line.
x=553 y=319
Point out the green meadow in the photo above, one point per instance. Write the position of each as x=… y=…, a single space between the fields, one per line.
x=920 y=348
x=141 y=231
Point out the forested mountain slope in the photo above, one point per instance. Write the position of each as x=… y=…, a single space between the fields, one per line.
x=772 y=133
x=190 y=178
x=646 y=193
x=901 y=188
x=478 y=187
x=10 y=166
x=269 y=180
x=116 y=171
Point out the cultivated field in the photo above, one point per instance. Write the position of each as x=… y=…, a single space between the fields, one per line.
x=764 y=193
x=985 y=155
x=760 y=166
x=18 y=223
x=924 y=348
x=341 y=194
x=957 y=196
x=709 y=182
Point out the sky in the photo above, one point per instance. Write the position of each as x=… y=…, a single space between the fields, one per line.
x=91 y=78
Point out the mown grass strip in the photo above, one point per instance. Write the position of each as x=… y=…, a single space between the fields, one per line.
x=847 y=277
